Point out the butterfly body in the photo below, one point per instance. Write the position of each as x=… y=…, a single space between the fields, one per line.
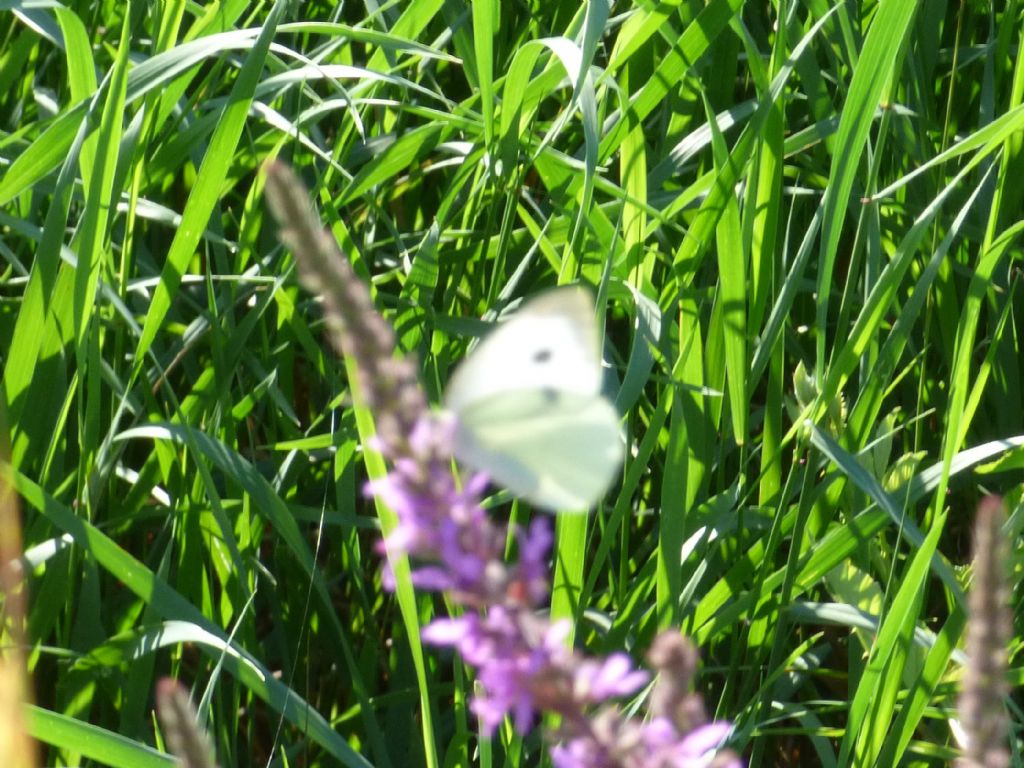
x=529 y=407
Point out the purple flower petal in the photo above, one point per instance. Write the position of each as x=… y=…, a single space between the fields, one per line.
x=432 y=579
x=616 y=677
x=445 y=631
x=706 y=738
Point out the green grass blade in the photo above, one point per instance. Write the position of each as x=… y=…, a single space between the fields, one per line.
x=207 y=189
x=884 y=47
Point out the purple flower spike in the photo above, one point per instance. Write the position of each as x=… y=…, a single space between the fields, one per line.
x=523 y=665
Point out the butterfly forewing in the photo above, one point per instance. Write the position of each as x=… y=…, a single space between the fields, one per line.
x=550 y=342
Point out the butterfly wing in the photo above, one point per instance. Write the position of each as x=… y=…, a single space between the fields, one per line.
x=556 y=449
x=529 y=405
x=551 y=342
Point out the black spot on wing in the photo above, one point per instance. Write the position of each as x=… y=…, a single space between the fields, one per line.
x=542 y=355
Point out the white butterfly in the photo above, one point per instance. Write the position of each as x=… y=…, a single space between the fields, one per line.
x=529 y=406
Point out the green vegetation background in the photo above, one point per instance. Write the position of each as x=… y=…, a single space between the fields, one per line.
x=804 y=221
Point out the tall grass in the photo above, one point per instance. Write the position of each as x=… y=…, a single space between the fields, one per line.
x=803 y=224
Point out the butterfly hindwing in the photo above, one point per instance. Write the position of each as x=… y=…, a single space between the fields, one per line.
x=558 y=450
